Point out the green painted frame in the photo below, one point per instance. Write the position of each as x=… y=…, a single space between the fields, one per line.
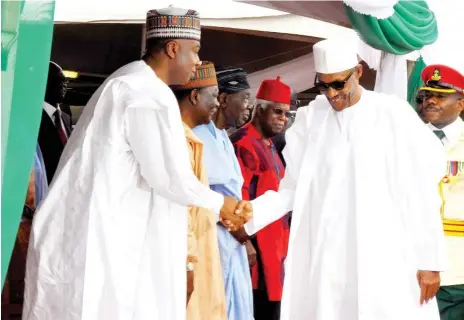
x=28 y=29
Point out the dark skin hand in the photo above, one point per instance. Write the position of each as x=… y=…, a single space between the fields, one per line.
x=251 y=252
x=429 y=282
x=240 y=235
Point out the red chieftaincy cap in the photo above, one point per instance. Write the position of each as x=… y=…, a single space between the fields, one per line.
x=440 y=78
x=274 y=91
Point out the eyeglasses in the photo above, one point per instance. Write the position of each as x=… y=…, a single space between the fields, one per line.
x=279 y=112
x=336 y=85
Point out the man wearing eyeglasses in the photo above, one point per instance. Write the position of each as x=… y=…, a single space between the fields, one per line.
x=362 y=180
x=262 y=170
x=443 y=101
x=279 y=139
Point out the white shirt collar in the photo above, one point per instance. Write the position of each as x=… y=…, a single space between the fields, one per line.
x=49 y=109
x=452 y=131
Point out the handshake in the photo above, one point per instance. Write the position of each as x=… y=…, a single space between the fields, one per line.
x=235 y=214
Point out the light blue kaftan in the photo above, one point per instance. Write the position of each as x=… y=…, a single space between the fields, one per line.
x=225 y=177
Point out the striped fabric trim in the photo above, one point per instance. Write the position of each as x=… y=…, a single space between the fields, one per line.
x=173 y=26
x=453 y=228
x=154 y=21
x=204 y=76
x=455 y=167
x=174 y=33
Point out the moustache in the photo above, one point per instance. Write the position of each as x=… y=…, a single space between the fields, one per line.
x=338 y=97
x=430 y=107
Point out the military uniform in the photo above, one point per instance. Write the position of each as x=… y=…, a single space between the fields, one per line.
x=444 y=80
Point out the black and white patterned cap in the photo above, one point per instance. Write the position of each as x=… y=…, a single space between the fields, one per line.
x=231 y=79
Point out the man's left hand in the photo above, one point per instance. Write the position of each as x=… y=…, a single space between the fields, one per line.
x=251 y=253
x=429 y=282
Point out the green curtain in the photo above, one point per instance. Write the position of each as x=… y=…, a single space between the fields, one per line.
x=411 y=27
x=415 y=81
x=27 y=30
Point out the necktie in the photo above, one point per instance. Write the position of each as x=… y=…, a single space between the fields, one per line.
x=440 y=134
x=59 y=127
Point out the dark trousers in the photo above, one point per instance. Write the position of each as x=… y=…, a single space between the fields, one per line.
x=451 y=302
x=263 y=308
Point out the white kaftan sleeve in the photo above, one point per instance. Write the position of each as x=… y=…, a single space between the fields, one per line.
x=429 y=234
x=158 y=142
x=423 y=159
x=273 y=205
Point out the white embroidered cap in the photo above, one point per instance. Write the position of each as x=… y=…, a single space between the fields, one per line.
x=173 y=23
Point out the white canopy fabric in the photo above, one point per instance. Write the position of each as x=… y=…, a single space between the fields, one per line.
x=104 y=10
x=298 y=74
x=379 y=9
x=284 y=24
x=328 y=11
x=392 y=72
x=221 y=13
x=449 y=47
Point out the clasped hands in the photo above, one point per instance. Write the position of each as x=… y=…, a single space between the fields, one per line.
x=234 y=214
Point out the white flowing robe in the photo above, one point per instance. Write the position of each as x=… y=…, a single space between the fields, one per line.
x=363 y=186
x=110 y=240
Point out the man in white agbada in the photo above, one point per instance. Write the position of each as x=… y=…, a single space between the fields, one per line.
x=362 y=180
x=110 y=240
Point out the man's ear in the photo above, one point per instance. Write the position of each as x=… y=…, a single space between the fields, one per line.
x=193 y=97
x=259 y=110
x=222 y=99
x=172 y=49
x=359 y=71
x=461 y=103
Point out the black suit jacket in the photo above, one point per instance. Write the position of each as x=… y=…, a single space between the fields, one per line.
x=50 y=143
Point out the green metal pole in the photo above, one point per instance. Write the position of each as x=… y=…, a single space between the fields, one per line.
x=27 y=31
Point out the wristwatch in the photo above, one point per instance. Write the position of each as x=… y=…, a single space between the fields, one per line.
x=28 y=212
x=189 y=266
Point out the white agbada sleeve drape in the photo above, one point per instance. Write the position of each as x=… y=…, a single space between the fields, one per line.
x=162 y=163
x=273 y=205
x=366 y=203
x=422 y=158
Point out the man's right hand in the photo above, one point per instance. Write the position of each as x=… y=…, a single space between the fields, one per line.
x=429 y=282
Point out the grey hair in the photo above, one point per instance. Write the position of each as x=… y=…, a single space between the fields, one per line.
x=262 y=103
